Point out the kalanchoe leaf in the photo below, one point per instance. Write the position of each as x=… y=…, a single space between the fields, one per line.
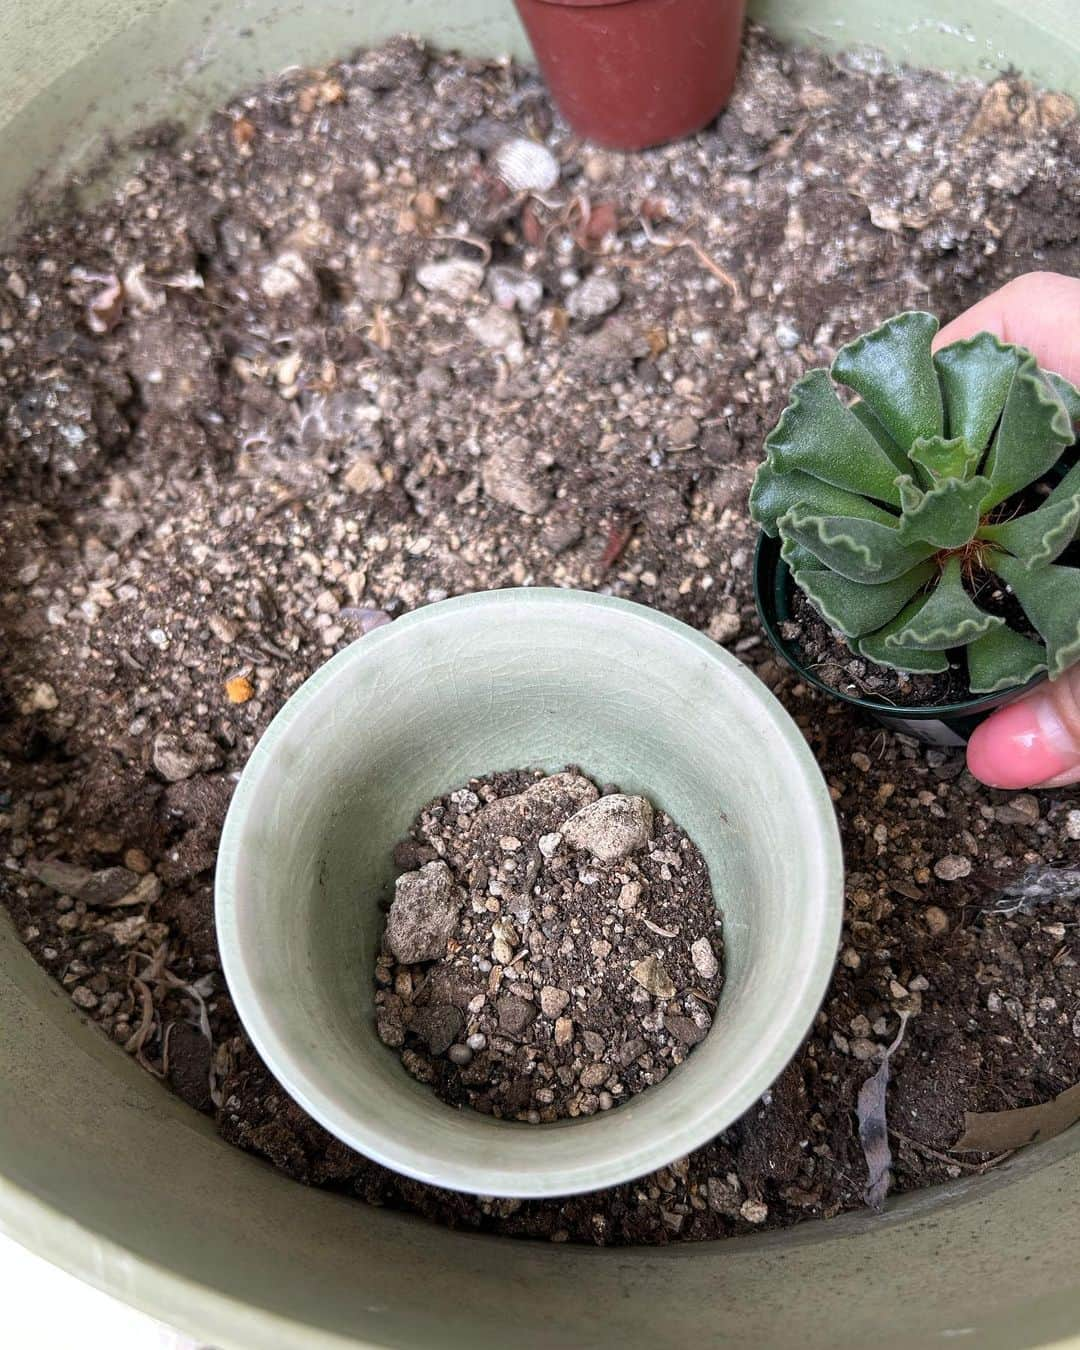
x=1001 y=659
x=1040 y=536
x=774 y=494
x=1068 y=393
x=947 y=516
x=822 y=437
x=1050 y=597
x=875 y=646
x=871 y=423
x=892 y=369
x=944 y=459
x=949 y=618
x=861 y=550
x=1035 y=427
x=856 y=609
x=975 y=376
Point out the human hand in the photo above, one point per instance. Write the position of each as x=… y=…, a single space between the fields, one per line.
x=1034 y=742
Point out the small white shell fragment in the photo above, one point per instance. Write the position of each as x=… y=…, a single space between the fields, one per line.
x=526 y=166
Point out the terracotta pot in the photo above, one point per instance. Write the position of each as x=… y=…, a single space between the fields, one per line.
x=633 y=73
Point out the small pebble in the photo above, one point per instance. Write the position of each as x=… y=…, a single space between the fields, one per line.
x=952 y=867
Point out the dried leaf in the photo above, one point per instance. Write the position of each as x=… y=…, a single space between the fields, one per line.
x=873 y=1129
x=999 y=1131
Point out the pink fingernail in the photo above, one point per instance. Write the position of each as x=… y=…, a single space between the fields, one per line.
x=1022 y=745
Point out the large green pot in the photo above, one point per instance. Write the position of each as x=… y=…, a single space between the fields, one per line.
x=109 y=1176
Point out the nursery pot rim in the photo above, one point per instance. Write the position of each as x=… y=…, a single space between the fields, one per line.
x=587 y=4
x=617 y=1155
x=767 y=555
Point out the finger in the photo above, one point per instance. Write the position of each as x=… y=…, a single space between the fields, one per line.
x=1039 y=311
x=1034 y=742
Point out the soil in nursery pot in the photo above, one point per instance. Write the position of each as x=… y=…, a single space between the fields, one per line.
x=551 y=952
x=286 y=426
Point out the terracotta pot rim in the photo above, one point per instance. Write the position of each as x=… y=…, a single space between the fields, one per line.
x=585 y=4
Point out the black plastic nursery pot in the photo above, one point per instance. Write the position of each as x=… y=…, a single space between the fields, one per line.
x=946 y=724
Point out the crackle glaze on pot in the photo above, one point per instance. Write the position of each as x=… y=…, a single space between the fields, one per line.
x=496 y=681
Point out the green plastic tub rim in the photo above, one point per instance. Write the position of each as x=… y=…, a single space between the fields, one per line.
x=109 y=1176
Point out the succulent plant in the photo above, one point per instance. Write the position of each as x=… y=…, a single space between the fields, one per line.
x=901 y=509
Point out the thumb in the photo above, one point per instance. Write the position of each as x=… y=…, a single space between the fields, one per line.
x=1034 y=742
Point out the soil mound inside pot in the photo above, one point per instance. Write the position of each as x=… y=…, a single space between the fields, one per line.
x=552 y=952
x=294 y=420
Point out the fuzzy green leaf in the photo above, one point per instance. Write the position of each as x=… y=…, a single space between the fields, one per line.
x=1050 y=597
x=861 y=550
x=800 y=559
x=1068 y=393
x=856 y=609
x=1040 y=536
x=975 y=377
x=1068 y=487
x=949 y=618
x=774 y=494
x=822 y=437
x=871 y=423
x=892 y=369
x=947 y=516
x=945 y=459
x=875 y=646
x=1035 y=427
x=1002 y=659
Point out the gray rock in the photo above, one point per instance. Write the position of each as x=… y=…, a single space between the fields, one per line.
x=499 y=331
x=952 y=867
x=594 y=297
x=176 y=759
x=457 y=278
x=553 y=1000
x=594 y=1075
x=377 y=282
x=704 y=958
x=113 y=883
x=66 y=878
x=542 y=806
x=685 y=1029
x=1021 y=810
x=424 y=914
x=512 y=476
x=724 y=1195
x=611 y=828
x=516 y=1015
x=513 y=289
x=439 y=1027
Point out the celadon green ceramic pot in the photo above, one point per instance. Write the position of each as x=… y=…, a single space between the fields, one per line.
x=505 y=680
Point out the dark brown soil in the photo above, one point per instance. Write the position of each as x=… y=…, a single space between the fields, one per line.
x=208 y=488
x=825 y=652
x=582 y=963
